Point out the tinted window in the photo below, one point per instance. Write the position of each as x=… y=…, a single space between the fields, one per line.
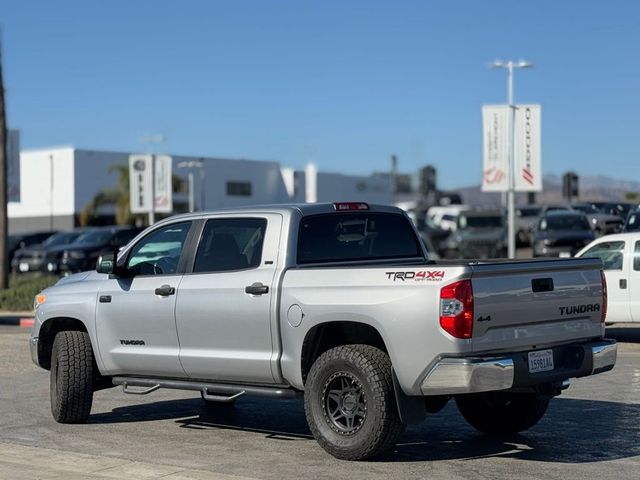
x=633 y=222
x=94 y=236
x=609 y=252
x=562 y=222
x=239 y=189
x=479 y=222
x=356 y=236
x=62 y=238
x=123 y=237
x=230 y=244
x=159 y=252
x=528 y=212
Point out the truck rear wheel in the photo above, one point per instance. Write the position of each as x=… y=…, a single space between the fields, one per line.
x=350 y=403
x=72 y=377
x=499 y=413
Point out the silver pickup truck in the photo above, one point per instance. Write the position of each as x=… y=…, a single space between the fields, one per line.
x=336 y=302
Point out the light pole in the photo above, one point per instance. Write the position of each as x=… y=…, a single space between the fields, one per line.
x=511 y=193
x=191 y=164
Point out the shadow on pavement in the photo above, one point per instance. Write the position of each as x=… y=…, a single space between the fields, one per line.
x=572 y=431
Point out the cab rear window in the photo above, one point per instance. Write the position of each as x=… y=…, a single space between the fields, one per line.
x=356 y=236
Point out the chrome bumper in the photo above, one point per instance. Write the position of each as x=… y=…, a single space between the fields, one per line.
x=459 y=375
x=451 y=376
x=604 y=357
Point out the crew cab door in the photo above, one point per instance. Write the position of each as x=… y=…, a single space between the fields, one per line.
x=135 y=316
x=616 y=270
x=226 y=301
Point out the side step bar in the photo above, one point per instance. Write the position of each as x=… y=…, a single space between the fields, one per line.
x=218 y=392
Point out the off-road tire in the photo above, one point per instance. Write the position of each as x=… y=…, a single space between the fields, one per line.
x=380 y=428
x=72 y=377
x=498 y=413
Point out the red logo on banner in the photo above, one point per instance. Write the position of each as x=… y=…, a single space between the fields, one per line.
x=493 y=175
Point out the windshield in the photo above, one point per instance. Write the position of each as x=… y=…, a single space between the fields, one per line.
x=62 y=238
x=94 y=236
x=564 y=222
x=586 y=208
x=480 y=221
x=356 y=236
x=528 y=212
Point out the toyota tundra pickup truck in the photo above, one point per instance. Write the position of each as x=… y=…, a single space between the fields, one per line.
x=337 y=303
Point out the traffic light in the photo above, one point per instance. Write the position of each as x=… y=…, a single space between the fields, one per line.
x=427 y=180
x=570 y=185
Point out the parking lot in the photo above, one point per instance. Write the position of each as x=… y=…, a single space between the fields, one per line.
x=592 y=431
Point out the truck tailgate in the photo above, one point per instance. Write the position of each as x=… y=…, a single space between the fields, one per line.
x=536 y=303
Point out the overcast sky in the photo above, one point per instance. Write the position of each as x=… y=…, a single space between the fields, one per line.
x=342 y=83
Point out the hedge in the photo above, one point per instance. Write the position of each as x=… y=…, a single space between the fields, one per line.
x=22 y=289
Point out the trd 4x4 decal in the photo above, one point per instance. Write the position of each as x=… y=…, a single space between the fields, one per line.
x=421 y=276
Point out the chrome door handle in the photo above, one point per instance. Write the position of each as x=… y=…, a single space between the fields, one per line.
x=623 y=283
x=256 y=289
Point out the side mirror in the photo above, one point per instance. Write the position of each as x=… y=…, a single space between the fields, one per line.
x=106 y=263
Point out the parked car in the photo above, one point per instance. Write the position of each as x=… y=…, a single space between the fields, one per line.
x=633 y=221
x=621 y=209
x=526 y=220
x=338 y=303
x=601 y=222
x=45 y=256
x=561 y=233
x=18 y=241
x=83 y=254
x=478 y=234
x=620 y=256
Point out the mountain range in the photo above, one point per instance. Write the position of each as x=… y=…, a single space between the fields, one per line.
x=591 y=188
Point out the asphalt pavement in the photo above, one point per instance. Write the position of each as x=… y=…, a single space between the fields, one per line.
x=591 y=431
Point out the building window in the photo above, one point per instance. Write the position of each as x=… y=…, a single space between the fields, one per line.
x=239 y=189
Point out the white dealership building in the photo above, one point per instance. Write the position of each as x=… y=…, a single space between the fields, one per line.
x=57 y=183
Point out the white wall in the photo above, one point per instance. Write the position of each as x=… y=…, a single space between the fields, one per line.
x=335 y=187
x=267 y=183
x=38 y=168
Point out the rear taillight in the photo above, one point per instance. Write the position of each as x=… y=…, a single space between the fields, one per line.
x=603 y=316
x=456 y=309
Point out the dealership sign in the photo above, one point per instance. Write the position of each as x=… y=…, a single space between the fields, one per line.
x=140 y=178
x=495 y=172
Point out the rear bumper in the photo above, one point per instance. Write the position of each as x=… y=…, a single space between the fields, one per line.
x=450 y=376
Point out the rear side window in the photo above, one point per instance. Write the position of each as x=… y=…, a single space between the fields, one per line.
x=611 y=254
x=357 y=236
x=229 y=244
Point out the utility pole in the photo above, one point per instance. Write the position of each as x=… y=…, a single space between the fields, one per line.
x=4 y=258
x=511 y=192
x=191 y=164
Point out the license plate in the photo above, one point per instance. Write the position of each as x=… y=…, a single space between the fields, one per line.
x=23 y=267
x=541 y=361
x=565 y=254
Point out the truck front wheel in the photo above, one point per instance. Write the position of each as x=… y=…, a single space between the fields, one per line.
x=500 y=413
x=72 y=377
x=350 y=403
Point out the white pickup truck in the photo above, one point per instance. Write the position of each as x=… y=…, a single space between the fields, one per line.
x=336 y=302
x=620 y=256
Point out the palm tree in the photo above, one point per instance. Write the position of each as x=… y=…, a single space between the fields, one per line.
x=118 y=197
